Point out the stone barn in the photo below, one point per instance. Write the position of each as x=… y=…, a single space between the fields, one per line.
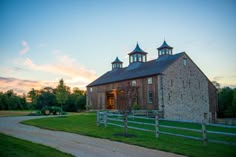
x=172 y=84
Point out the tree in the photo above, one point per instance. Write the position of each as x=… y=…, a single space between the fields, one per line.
x=10 y=101
x=81 y=102
x=46 y=98
x=2 y=104
x=76 y=101
x=216 y=84
x=126 y=97
x=225 y=99
x=33 y=95
x=62 y=93
x=234 y=102
x=78 y=91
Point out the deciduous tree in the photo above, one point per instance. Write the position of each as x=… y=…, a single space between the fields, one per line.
x=62 y=93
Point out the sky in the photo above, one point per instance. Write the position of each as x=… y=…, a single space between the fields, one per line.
x=42 y=41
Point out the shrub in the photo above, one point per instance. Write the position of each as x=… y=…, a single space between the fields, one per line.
x=135 y=106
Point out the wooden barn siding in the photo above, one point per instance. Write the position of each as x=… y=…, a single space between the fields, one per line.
x=98 y=96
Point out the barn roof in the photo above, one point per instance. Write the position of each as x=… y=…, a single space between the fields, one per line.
x=137 y=70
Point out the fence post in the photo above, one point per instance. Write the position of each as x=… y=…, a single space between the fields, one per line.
x=105 y=118
x=125 y=123
x=157 y=125
x=204 y=136
x=98 y=118
x=133 y=113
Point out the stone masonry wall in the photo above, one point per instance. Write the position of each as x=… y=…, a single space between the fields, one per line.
x=185 y=92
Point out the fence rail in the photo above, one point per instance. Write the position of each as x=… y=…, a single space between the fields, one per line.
x=119 y=120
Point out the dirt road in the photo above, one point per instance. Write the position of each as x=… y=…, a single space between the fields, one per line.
x=78 y=145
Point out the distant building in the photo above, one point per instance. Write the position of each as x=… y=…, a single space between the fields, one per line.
x=172 y=84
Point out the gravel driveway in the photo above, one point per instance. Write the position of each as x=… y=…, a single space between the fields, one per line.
x=78 y=145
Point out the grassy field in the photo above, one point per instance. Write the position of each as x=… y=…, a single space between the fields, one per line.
x=4 y=113
x=85 y=124
x=13 y=147
x=14 y=113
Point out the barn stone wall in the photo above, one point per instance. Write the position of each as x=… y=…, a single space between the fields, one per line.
x=185 y=91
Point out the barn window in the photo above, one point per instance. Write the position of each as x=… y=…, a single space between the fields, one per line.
x=91 y=89
x=150 y=80
x=185 y=61
x=150 y=97
x=133 y=83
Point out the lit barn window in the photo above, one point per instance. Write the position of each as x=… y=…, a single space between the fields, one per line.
x=91 y=89
x=133 y=83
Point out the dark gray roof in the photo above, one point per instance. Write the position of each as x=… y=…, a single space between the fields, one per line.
x=117 y=60
x=137 y=50
x=164 y=45
x=137 y=70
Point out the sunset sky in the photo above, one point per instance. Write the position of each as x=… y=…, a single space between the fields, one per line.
x=42 y=41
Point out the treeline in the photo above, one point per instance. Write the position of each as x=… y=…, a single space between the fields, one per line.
x=227 y=102
x=11 y=101
x=62 y=96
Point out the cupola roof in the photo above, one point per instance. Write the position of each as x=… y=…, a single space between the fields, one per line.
x=137 y=50
x=164 y=45
x=117 y=61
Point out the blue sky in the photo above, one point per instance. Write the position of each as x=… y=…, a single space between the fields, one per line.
x=42 y=41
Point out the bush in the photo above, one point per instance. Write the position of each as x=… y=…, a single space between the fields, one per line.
x=135 y=106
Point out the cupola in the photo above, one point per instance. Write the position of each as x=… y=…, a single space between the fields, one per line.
x=164 y=49
x=137 y=55
x=117 y=64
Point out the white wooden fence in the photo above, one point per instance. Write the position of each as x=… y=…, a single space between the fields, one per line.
x=111 y=118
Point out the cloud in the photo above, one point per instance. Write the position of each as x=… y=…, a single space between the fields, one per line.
x=25 y=49
x=218 y=78
x=61 y=66
x=73 y=73
x=21 y=86
x=65 y=67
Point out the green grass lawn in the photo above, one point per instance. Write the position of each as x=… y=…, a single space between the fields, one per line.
x=85 y=124
x=196 y=126
x=14 y=147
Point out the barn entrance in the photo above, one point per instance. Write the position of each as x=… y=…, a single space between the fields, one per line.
x=110 y=100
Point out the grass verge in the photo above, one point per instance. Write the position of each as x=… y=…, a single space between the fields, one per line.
x=85 y=124
x=14 y=147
